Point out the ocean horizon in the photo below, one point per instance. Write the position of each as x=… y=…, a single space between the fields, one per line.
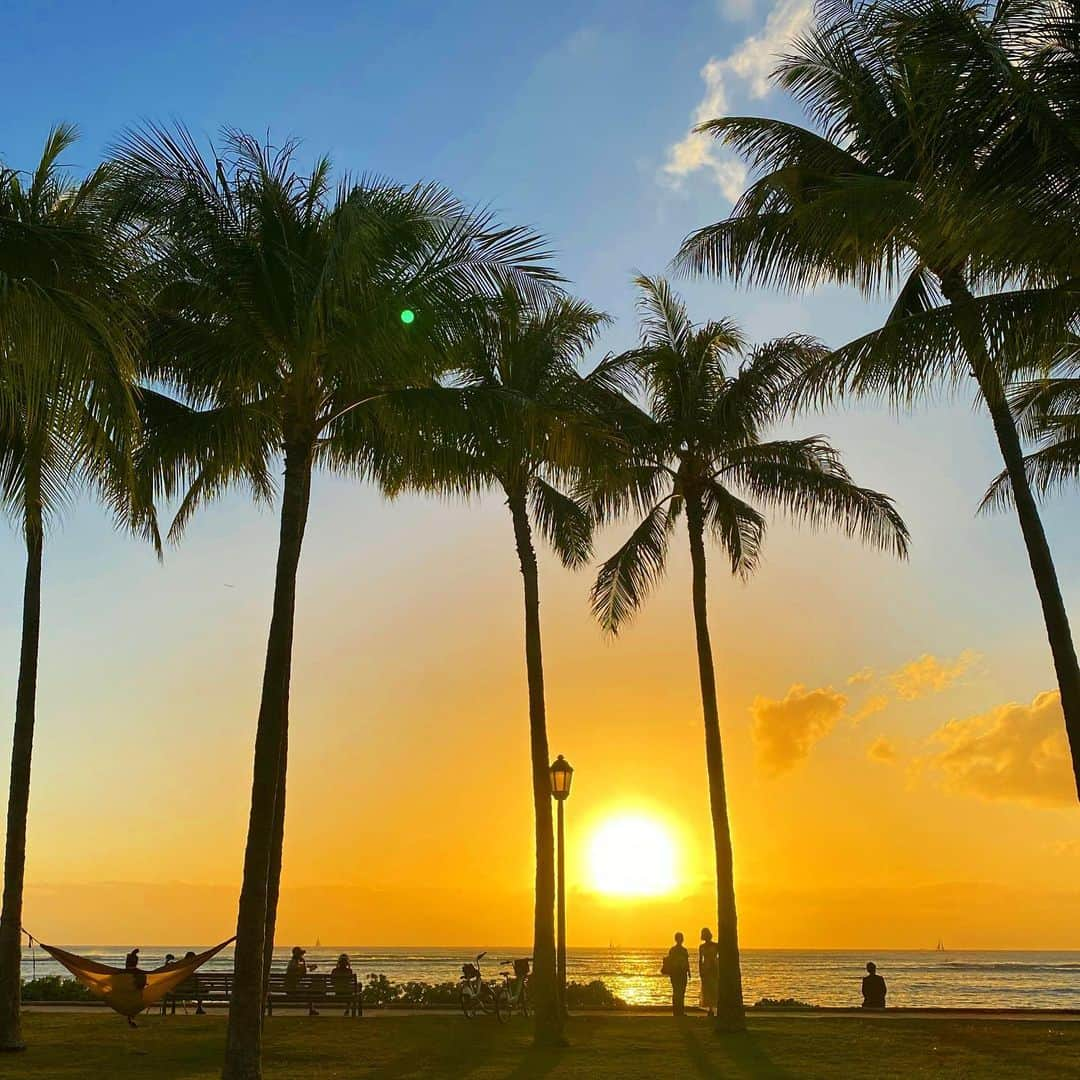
x=966 y=978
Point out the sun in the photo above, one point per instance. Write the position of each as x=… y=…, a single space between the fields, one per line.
x=632 y=855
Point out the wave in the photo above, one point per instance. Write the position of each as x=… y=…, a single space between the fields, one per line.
x=1014 y=965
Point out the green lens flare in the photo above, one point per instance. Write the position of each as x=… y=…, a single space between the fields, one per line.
x=407 y=316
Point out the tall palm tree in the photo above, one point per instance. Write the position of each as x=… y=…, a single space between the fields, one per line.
x=516 y=417
x=1048 y=411
x=67 y=420
x=277 y=331
x=698 y=448
x=914 y=183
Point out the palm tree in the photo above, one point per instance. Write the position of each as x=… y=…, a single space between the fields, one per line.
x=698 y=449
x=1049 y=414
x=916 y=182
x=67 y=418
x=515 y=417
x=277 y=332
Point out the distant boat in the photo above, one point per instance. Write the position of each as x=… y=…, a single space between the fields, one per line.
x=940 y=946
x=317 y=945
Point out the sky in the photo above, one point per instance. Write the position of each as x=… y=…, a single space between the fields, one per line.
x=896 y=760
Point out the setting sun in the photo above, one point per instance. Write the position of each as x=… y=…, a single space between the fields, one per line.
x=632 y=855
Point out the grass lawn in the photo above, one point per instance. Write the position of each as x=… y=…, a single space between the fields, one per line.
x=63 y=1047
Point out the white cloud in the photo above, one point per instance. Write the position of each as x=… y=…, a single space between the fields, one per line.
x=749 y=66
x=737 y=9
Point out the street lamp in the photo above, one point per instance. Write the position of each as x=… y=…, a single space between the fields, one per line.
x=561 y=775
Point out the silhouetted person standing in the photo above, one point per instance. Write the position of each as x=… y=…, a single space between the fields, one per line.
x=709 y=970
x=677 y=969
x=873 y=988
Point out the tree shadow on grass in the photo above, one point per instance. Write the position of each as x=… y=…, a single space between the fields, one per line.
x=537 y=1061
x=741 y=1052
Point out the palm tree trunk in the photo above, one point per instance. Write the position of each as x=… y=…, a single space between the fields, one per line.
x=277 y=843
x=730 y=1015
x=273 y=881
x=1055 y=616
x=243 y=1049
x=543 y=988
x=19 y=798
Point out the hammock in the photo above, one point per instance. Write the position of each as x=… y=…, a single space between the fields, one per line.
x=126 y=990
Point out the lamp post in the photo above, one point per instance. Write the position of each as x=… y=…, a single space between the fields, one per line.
x=561 y=775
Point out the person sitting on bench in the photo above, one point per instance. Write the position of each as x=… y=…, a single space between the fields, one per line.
x=296 y=969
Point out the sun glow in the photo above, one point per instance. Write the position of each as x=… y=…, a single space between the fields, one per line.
x=632 y=855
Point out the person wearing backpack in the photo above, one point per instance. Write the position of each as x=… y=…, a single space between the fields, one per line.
x=676 y=967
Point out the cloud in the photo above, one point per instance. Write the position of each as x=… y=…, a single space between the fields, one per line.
x=864 y=675
x=870 y=706
x=929 y=675
x=786 y=730
x=882 y=750
x=1012 y=753
x=1065 y=847
x=737 y=9
x=749 y=67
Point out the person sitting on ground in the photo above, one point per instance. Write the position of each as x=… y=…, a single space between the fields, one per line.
x=873 y=988
x=677 y=969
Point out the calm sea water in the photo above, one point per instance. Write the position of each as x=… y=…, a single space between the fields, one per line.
x=970 y=979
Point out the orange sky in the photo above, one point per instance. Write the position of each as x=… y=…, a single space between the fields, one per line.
x=880 y=796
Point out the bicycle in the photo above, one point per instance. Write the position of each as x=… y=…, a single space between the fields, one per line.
x=513 y=995
x=476 y=995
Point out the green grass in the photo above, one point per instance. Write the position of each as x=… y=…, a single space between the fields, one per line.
x=64 y=1047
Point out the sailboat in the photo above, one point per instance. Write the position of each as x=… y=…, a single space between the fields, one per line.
x=318 y=944
x=940 y=946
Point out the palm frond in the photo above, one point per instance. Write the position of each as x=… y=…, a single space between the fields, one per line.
x=563 y=523
x=624 y=580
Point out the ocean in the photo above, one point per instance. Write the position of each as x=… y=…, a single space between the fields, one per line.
x=818 y=977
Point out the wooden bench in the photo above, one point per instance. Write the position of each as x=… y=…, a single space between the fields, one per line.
x=310 y=991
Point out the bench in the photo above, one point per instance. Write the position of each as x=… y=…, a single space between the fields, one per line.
x=316 y=989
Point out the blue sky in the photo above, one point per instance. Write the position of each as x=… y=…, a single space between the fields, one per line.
x=565 y=116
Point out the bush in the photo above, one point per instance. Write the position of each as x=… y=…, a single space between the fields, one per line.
x=378 y=990
x=782 y=1003
x=54 y=988
x=592 y=995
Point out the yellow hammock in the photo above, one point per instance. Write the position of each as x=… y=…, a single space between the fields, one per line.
x=125 y=990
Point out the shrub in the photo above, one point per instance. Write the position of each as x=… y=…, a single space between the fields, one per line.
x=54 y=988
x=379 y=990
x=592 y=995
x=782 y=1003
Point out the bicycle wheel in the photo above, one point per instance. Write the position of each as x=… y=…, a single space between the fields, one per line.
x=523 y=1003
x=468 y=1004
x=503 y=1006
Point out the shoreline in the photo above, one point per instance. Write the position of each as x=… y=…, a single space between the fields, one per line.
x=900 y=1012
